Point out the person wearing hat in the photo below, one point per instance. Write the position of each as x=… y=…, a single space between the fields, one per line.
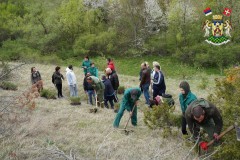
x=130 y=99
x=185 y=98
x=206 y=115
x=98 y=86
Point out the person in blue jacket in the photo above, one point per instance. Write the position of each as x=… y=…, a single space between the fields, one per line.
x=130 y=99
x=185 y=98
x=159 y=86
x=109 y=92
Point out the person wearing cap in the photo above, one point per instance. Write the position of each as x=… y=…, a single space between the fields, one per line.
x=206 y=115
x=109 y=92
x=159 y=86
x=130 y=99
x=72 y=81
x=113 y=77
x=98 y=86
x=93 y=70
x=185 y=98
x=145 y=82
x=88 y=89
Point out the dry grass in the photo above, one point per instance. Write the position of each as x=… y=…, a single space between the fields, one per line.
x=57 y=130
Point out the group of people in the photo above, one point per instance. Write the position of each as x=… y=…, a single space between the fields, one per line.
x=196 y=112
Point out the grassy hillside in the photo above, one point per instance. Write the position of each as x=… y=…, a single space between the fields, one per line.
x=57 y=130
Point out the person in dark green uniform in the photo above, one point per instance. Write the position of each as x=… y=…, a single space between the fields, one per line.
x=130 y=98
x=86 y=64
x=185 y=98
x=206 y=115
x=93 y=70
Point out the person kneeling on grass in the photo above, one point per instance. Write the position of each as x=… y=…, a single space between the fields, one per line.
x=130 y=99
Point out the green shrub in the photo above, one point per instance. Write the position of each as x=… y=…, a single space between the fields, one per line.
x=49 y=94
x=5 y=69
x=204 y=83
x=162 y=117
x=121 y=89
x=8 y=86
x=226 y=98
x=75 y=100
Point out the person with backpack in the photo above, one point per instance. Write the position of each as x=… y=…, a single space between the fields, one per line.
x=202 y=113
x=130 y=99
x=36 y=78
x=98 y=87
x=109 y=92
x=57 y=78
x=159 y=86
x=88 y=89
x=72 y=81
x=93 y=70
x=86 y=64
x=113 y=77
x=185 y=98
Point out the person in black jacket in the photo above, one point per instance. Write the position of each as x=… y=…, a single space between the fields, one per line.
x=88 y=89
x=159 y=86
x=109 y=92
x=202 y=113
x=57 y=78
x=113 y=77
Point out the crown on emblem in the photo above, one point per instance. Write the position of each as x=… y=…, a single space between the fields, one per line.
x=217 y=17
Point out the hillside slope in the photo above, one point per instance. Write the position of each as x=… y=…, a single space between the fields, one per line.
x=57 y=130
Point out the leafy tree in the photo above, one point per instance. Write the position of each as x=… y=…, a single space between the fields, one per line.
x=226 y=97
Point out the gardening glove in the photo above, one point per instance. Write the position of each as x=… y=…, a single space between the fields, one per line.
x=215 y=136
x=203 y=145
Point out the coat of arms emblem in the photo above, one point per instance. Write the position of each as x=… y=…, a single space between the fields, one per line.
x=220 y=29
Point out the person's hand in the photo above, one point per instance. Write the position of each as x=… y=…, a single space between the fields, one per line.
x=136 y=103
x=215 y=136
x=130 y=113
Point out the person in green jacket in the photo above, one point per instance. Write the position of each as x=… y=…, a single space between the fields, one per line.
x=202 y=113
x=185 y=98
x=86 y=64
x=130 y=99
x=98 y=86
x=93 y=70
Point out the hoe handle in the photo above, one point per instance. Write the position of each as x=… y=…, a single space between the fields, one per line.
x=222 y=134
x=129 y=117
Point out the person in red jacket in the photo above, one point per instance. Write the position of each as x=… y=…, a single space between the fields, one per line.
x=110 y=64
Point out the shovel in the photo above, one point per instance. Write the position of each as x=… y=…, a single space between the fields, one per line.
x=205 y=145
x=125 y=127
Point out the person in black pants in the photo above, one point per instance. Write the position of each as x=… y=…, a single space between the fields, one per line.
x=109 y=92
x=57 y=78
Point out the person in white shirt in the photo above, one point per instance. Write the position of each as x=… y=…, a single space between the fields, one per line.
x=72 y=81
